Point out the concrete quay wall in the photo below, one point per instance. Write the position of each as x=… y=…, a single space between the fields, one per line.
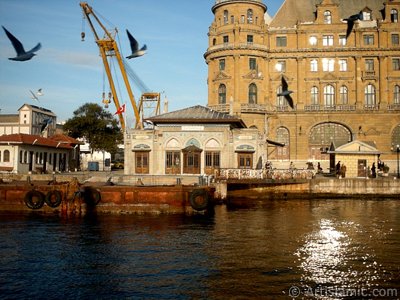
x=313 y=188
x=355 y=186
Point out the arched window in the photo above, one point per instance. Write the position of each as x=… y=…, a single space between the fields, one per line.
x=329 y=96
x=250 y=16
x=396 y=94
x=20 y=156
x=0 y=156
x=327 y=17
x=282 y=136
x=214 y=42
x=323 y=134
x=314 y=96
x=394 y=15
x=344 y=96
x=226 y=17
x=6 y=155
x=370 y=96
x=253 y=93
x=222 y=94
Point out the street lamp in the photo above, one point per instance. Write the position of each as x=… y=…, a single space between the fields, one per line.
x=398 y=167
x=398 y=152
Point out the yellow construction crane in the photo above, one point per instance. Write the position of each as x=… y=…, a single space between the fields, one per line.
x=108 y=47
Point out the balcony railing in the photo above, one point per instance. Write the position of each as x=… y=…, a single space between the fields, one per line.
x=275 y=174
x=253 y=108
x=371 y=107
x=368 y=75
x=395 y=106
x=340 y=107
x=266 y=108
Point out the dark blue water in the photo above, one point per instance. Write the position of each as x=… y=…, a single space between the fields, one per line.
x=318 y=249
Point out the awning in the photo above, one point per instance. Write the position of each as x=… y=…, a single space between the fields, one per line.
x=271 y=142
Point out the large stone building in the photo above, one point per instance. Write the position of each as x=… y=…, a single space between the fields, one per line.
x=343 y=88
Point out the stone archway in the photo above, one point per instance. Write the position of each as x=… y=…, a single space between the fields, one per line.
x=323 y=134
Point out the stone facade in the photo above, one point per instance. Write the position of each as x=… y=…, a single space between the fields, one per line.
x=343 y=89
x=195 y=140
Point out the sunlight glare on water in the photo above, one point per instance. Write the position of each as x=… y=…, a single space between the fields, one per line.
x=254 y=253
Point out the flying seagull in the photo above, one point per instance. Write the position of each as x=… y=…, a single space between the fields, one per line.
x=45 y=123
x=34 y=97
x=350 y=22
x=136 y=52
x=286 y=93
x=39 y=92
x=19 y=48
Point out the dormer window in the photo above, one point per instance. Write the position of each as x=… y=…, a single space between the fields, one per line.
x=394 y=15
x=327 y=17
x=366 y=16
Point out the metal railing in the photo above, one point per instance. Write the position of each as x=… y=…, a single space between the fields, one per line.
x=276 y=174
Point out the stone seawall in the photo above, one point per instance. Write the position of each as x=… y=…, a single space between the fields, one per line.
x=355 y=186
x=313 y=188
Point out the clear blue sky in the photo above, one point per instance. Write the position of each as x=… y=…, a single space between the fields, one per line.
x=71 y=72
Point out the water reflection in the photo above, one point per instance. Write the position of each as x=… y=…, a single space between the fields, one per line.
x=244 y=253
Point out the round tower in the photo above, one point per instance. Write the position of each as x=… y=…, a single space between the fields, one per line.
x=236 y=58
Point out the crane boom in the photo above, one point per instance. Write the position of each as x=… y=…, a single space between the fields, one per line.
x=109 y=47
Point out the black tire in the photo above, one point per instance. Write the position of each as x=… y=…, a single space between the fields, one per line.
x=199 y=199
x=53 y=198
x=34 y=199
x=91 y=196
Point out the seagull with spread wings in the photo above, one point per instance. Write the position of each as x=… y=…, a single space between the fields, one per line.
x=286 y=93
x=136 y=52
x=350 y=22
x=22 y=55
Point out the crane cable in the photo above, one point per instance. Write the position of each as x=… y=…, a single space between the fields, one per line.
x=132 y=75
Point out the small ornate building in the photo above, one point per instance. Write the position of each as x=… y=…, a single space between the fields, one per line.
x=194 y=140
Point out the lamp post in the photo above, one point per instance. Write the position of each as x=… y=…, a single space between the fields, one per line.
x=398 y=167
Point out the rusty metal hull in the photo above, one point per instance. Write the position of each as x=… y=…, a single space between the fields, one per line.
x=81 y=200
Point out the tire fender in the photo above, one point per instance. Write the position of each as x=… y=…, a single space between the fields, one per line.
x=199 y=199
x=34 y=199
x=53 y=198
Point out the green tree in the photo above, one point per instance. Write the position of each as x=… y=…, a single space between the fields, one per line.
x=98 y=127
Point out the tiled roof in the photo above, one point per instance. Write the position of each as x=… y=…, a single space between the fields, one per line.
x=299 y=11
x=197 y=114
x=28 y=139
x=9 y=118
x=65 y=138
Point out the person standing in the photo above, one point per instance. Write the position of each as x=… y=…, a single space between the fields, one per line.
x=373 y=170
x=338 y=169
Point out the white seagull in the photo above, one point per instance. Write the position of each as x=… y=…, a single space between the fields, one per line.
x=34 y=97
x=136 y=52
x=19 y=48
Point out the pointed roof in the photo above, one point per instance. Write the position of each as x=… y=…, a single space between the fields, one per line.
x=197 y=115
x=356 y=147
x=293 y=12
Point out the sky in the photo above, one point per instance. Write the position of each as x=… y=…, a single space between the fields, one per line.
x=70 y=72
